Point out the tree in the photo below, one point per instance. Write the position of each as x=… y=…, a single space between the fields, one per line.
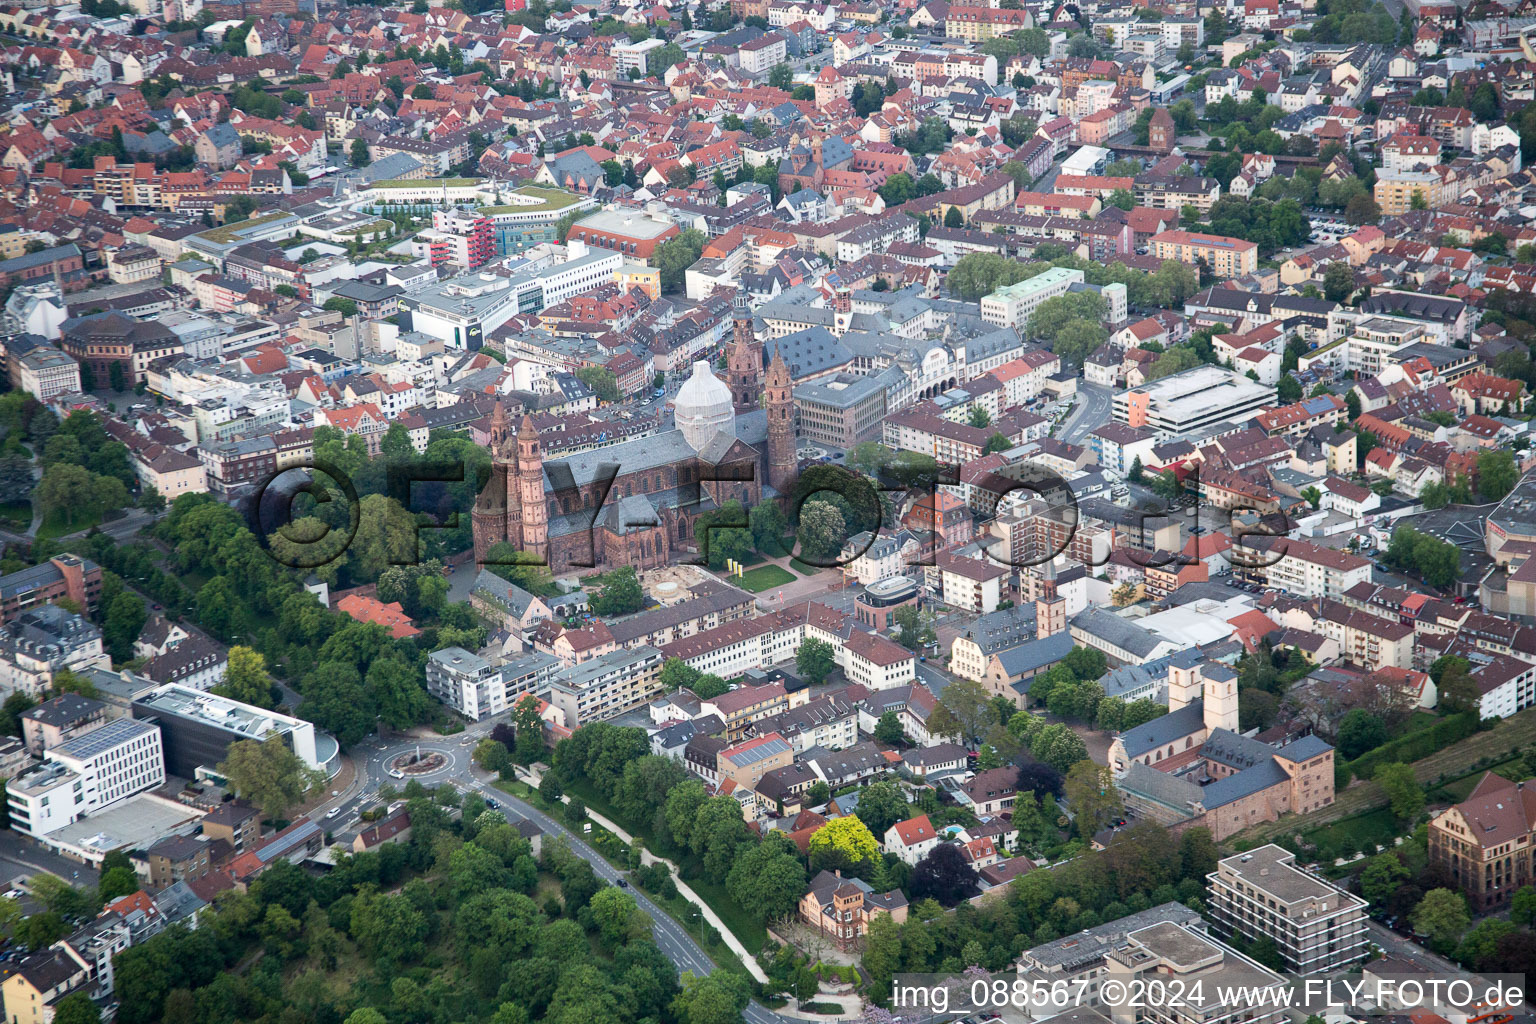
x=359 y=153
x=1403 y=790
x=882 y=805
x=971 y=704
x=814 y=660
x=718 y=998
x=823 y=531
x=843 y=844
x=246 y=679
x=602 y=382
x=116 y=883
x=980 y=418
x=1338 y=281
x=888 y=729
x=1091 y=793
x=1452 y=676
x=334 y=699
x=1496 y=474
x=996 y=443
x=1197 y=853
x=269 y=774
x=76 y=1008
x=1382 y=875
x=621 y=593
x=530 y=729
x=953 y=218
x=673 y=257
x=618 y=918
x=1442 y=916
x=125 y=617
x=781 y=76
x=1359 y=731
x=944 y=875
x=768 y=877
x=1522 y=906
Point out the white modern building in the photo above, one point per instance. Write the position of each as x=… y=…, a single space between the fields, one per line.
x=1317 y=927
x=1013 y=304
x=1192 y=400
x=478 y=689
x=93 y=770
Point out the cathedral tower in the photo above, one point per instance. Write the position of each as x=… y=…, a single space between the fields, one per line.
x=1185 y=680
x=488 y=520
x=1220 y=699
x=744 y=367
x=530 y=483
x=779 y=398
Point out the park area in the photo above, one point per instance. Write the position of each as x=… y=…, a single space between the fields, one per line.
x=764 y=577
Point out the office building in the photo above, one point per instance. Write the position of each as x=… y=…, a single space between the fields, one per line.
x=1192 y=400
x=91 y=771
x=1317 y=927
x=199 y=727
x=842 y=410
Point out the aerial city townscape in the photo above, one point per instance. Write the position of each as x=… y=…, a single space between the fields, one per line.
x=758 y=511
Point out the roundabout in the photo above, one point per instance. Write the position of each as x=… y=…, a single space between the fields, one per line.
x=417 y=763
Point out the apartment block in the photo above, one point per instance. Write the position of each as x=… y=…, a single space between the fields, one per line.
x=478 y=689
x=1218 y=982
x=1317 y=927
x=608 y=685
x=1227 y=257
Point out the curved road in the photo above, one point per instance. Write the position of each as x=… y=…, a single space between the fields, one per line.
x=1090 y=412
x=372 y=757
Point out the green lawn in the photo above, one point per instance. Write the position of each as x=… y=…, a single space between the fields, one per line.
x=764 y=577
x=1378 y=826
x=1459 y=790
x=55 y=525
x=17 y=514
x=743 y=925
x=803 y=569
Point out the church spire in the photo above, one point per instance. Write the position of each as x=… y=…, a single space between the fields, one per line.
x=778 y=397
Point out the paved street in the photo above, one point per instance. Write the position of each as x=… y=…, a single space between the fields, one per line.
x=1089 y=412
x=20 y=857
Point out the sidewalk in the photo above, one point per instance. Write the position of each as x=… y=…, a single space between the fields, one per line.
x=647 y=857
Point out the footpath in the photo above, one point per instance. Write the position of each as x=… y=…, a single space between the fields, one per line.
x=648 y=858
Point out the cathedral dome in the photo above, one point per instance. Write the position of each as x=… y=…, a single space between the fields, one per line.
x=704 y=407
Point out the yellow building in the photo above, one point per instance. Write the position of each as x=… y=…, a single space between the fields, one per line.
x=39 y=982
x=633 y=275
x=1395 y=192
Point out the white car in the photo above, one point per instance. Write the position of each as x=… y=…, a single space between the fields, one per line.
x=333 y=812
